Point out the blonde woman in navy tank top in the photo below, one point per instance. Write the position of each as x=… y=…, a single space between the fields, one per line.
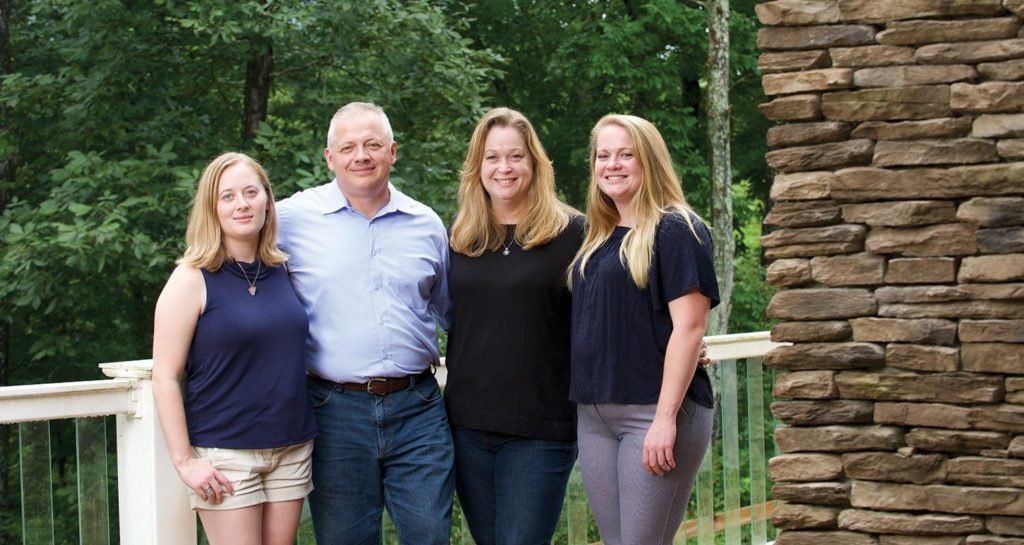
x=229 y=364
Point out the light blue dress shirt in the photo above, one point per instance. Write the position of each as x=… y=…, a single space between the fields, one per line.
x=375 y=289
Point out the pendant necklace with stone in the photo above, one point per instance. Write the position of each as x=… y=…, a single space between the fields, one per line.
x=252 y=285
x=509 y=245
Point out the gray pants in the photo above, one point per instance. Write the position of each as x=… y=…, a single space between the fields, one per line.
x=631 y=506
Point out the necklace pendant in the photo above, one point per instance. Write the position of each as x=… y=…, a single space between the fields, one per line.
x=252 y=290
x=505 y=252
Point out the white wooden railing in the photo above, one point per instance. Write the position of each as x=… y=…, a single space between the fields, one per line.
x=153 y=505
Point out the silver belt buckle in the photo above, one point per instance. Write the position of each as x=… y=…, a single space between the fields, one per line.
x=369 y=385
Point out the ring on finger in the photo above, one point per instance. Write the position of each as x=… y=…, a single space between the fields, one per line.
x=208 y=490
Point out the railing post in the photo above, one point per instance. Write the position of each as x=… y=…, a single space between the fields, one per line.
x=152 y=502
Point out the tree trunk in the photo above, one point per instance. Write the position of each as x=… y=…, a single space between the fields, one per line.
x=7 y=169
x=718 y=110
x=259 y=74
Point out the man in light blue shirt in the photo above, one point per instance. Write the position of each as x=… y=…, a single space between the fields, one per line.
x=370 y=266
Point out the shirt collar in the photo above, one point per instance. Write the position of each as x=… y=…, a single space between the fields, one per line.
x=334 y=200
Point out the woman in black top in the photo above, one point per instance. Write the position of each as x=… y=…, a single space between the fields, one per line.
x=507 y=391
x=644 y=279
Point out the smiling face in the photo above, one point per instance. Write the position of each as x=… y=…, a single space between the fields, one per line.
x=360 y=154
x=241 y=203
x=616 y=167
x=506 y=171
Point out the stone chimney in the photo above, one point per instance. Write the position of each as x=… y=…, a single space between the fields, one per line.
x=898 y=237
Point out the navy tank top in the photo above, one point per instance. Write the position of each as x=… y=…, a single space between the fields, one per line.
x=245 y=385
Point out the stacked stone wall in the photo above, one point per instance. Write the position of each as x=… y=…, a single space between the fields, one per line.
x=897 y=235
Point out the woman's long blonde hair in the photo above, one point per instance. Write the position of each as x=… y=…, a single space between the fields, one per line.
x=660 y=192
x=204 y=247
x=476 y=229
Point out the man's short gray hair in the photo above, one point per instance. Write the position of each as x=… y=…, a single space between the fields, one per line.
x=353 y=107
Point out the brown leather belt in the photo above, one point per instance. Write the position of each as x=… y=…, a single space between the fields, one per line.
x=375 y=386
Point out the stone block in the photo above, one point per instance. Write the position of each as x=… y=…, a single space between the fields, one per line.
x=948 y=239
x=805 y=385
x=946 y=127
x=800 y=134
x=882 y=104
x=922 y=294
x=813 y=235
x=936 y=415
x=1012 y=149
x=969 y=52
x=811 y=331
x=925 y=358
x=793 y=108
x=848 y=270
x=815 y=37
x=965 y=30
x=986 y=97
x=788 y=272
x=813 y=493
x=838 y=438
x=791 y=537
x=871 y=55
x=1016 y=448
x=987 y=417
x=1011 y=290
x=892 y=330
x=1012 y=70
x=878 y=522
x=1015 y=6
x=1014 y=390
x=825 y=356
x=1001 y=331
x=794 y=516
x=993 y=211
x=900 y=213
x=992 y=540
x=805 y=468
x=875 y=184
x=797 y=12
x=1010 y=526
x=936 y=498
x=956 y=441
x=819 y=413
x=821 y=304
x=998 y=126
x=992 y=268
x=803 y=214
x=904 y=76
x=801 y=186
x=810 y=81
x=934 y=387
x=814 y=249
x=786 y=61
x=979 y=471
x=954 y=309
x=921 y=540
x=1005 y=358
x=920 y=270
x=960 y=151
x=890 y=466
x=1001 y=240
x=885 y=11
x=822 y=156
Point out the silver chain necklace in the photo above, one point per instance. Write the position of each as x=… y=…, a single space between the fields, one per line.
x=252 y=285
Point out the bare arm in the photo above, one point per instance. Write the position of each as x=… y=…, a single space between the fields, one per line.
x=689 y=322
x=177 y=312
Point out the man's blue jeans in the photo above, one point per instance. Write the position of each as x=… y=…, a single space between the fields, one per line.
x=392 y=451
x=511 y=488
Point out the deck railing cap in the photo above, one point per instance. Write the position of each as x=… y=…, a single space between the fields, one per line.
x=128 y=369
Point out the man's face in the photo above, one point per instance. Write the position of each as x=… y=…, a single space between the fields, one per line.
x=360 y=155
